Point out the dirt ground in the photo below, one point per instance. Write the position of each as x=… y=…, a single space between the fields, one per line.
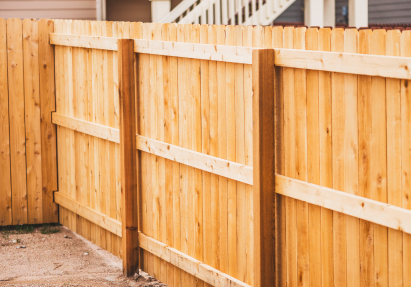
x=61 y=259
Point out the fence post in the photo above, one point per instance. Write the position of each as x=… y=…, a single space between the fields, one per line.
x=263 y=167
x=129 y=207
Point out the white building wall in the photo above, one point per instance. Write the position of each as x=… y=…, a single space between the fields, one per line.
x=54 y=9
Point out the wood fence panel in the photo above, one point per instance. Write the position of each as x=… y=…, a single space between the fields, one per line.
x=342 y=131
x=5 y=176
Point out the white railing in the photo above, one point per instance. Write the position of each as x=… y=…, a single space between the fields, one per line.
x=234 y=12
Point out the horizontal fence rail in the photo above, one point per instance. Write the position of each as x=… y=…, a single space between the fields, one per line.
x=215 y=165
x=353 y=205
x=371 y=65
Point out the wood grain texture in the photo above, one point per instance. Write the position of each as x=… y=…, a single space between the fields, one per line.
x=32 y=118
x=406 y=159
x=338 y=161
x=17 y=120
x=128 y=156
x=325 y=134
x=263 y=188
x=313 y=162
x=351 y=160
x=5 y=176
x=394 y=153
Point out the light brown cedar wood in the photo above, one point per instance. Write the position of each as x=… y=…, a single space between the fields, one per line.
x=325 y=133
x=351 y=160
x=197 y=251
x=313 y=162
x=5 y=177
x=338 y=161
x=174 y=108
x=222 y=153
x=205 y=138
x=17 y=121
x=248 y=134
x=379 y=160
x=365 y=164
x=231 y=155
x=300 y=82
x=32 y=119
x=290 y=134
x=406 y=158
x=239 y=109
x=393 y=103
x=168 y=166
x=280 y=241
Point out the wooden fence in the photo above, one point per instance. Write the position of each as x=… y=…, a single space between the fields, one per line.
x=28 y=168
x=282 y=166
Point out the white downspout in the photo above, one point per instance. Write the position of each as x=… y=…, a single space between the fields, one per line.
x=101 y=10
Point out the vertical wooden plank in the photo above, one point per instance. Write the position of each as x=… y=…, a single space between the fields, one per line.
x=231 y=155
x=313 y=162
x=338 y=161
x=17 y=123
x=281 y=255
x=205 y=138
x=325 y=133
x=351 y=160
x=32 y=113
x=197 y=146
x=406 y=156
x=379 y=161
x=85 y=55
x=5 y=177
x=174 y=104
x=168 y=32
x=91 y=100
x=241 y=220
x=300 y=82
x=162 y=61
x=393 y=102
x=110 y=121
x=59 y=103
x=248 y=150
x=263 y=188
x=213 y=148
x=290 y=158
x=222 y=153
x=144 y=76
x=364 y=166
x=128 y=155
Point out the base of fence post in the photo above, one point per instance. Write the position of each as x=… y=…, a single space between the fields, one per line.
x=129 y=197
x=263 y=167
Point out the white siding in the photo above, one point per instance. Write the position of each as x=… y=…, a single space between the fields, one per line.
x=389 y=11
x=55 y=9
